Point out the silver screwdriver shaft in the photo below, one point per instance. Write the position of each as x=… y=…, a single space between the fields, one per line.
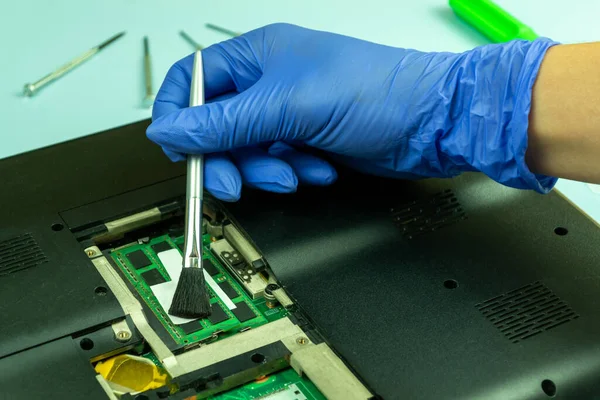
x=149 y=95
x=32 y=88
x=225 y=31
x=191 y=41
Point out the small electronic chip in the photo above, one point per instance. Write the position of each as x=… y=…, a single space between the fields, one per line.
x=138 y=259
x=243 y=312
x=153 y=277
x=209 y=267
x=191 y=327
x=229 y=290
x=217 y=314
x=161 y=246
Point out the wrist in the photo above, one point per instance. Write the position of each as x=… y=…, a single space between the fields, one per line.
x=490 y=134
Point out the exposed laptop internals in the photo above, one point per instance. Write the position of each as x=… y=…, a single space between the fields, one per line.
x=433 y=289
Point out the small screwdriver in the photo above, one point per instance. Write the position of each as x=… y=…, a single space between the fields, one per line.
x=32 y=88
x=222 y=30
x=191 y=41
x=149 y=97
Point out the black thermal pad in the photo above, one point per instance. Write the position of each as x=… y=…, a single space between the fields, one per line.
x=138 y=259
x=243 y=312
x=229 y=290
x=153 y=277
x=161 y=246
x=209 y=267
x=217 y=314
x=191 y=327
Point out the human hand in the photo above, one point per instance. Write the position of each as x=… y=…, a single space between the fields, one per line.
x=382 y=110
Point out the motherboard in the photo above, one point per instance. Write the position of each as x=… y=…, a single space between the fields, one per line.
x=232 y=309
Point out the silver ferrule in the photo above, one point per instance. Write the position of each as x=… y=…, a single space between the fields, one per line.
x=192 y=250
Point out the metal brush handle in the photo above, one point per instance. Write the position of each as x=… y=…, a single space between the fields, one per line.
x=192 y=250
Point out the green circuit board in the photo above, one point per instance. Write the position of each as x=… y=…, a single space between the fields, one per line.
x=283 y=385
x=150 y=267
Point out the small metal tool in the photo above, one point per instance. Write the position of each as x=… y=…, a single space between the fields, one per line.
x=32 y=88
x=223 y=30
x=149 y=97
x=191 y=41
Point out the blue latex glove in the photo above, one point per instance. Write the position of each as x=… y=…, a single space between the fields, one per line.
x=382 y=110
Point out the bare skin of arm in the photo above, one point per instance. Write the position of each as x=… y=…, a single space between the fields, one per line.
x=564 y=122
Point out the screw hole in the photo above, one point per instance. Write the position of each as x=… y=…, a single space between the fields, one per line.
x=561 y=231
x=101 y=291
x=57 y=227
x=549 y=387
x=258 y=358
x=86 y=344
x=450 y=284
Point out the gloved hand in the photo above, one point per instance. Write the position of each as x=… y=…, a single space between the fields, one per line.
x=382 y=110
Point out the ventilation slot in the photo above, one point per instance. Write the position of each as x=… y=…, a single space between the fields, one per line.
x=428 y=215
x=526 y=312
x=20 y=253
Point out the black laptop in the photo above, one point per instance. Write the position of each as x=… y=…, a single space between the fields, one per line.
x=371 y=288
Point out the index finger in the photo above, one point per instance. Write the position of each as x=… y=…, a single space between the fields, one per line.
x=229 y=67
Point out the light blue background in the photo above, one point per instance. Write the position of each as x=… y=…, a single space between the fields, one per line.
x=37 y=36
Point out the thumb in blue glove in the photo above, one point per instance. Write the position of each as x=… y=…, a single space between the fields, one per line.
x=382 y=110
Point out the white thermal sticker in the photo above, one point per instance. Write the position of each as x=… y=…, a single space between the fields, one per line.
x=172 y=260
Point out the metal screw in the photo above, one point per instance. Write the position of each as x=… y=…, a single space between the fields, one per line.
x=90 y=253
x=270 y=288
x=302 y=340
x=123 y=336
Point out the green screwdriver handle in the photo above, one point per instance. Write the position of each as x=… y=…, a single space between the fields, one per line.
x=491 y=20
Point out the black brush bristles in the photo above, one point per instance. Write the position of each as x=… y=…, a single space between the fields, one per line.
x=191 y=299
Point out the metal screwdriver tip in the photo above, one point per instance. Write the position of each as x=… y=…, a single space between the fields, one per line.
x=109 y=41
x=222 y=30
x=191 y=41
